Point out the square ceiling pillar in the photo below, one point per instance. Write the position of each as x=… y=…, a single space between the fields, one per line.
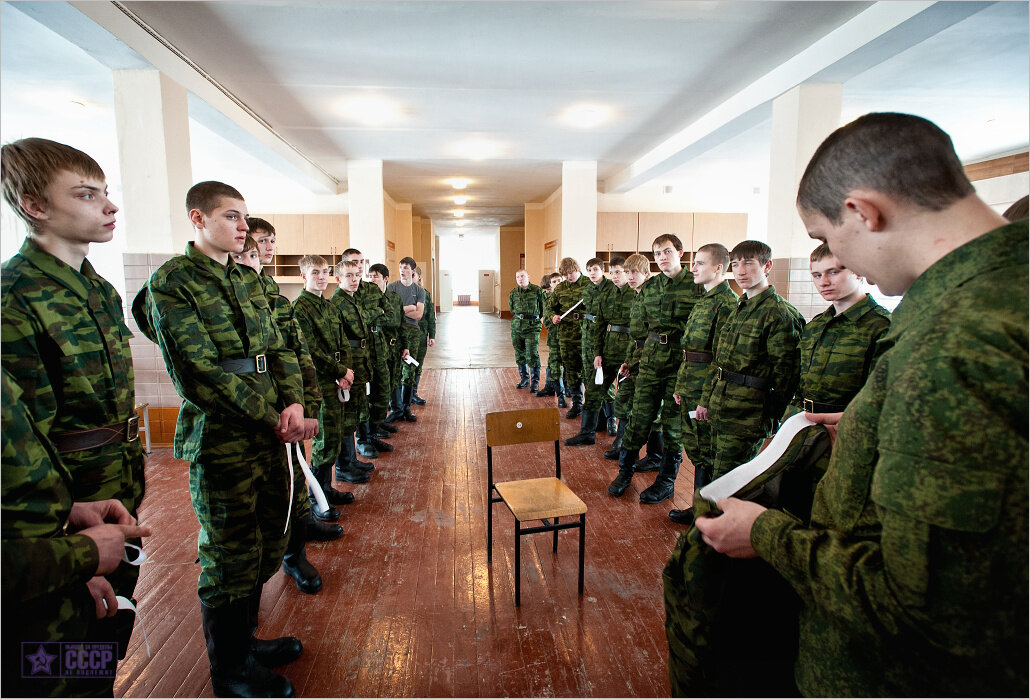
x=579 y=210
x=802 y=117
x=152 y=122
x=367 y=214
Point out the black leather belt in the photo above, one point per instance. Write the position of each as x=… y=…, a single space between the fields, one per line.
x=523 y=316
x=744 y=379
x=699 y=357
x=574 y=316
x=248 y=365
x=639 y=344
x=660 y=338
x=356 y=343
x=812 y=406
x=80 y=440
x=587 y=316
x=618 y=328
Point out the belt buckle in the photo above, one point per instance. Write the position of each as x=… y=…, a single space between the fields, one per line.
x=809 y=405
x=132 y=429
x=718 y=376
x=663 y=339
x=336 y=356
x=362 y=345
x=260 y=365
x=684 y=355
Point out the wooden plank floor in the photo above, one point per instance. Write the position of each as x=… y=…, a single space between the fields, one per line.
x=410 y=607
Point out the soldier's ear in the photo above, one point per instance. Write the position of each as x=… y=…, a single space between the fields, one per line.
x=196 y=218
x=33 y=207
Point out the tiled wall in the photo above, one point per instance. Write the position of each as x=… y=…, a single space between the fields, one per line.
x=793 y=281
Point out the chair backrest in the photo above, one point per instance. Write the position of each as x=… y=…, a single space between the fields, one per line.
x=522 y=426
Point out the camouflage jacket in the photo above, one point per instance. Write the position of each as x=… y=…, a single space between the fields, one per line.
x=760 y=339
x=321 y=322
x=64 y=340
x=838 y=352
x=564 y=297
x=393 y=320
x=594 y=297
x=38 y=558
x=530 y=301
x=282 y=311
x=613 y=344
x=356 y=334
x=428 y=323
x=637 y=329
x=201 y=313
x=913 y=572
x=371 y=303
x=666 y=304
x=703 y=327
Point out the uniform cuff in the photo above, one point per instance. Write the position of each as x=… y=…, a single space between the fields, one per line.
x=84 y=554
x=768 y=531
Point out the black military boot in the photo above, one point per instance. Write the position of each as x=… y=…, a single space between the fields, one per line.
x=664 y=486
x=613 y=422
x=415 y=397
x=332 y=495
x=701 y=479
x=602 y=417
x=613 y=453
x=396 y=411
x=622 y=481
x=406 y=392
x=296 y=565
x=577 y=403
x=534 y=379
x=652 y=460
x=385 y=430
x=332 y=514
x=375 y=438
x=548 y=388
x=523 y=376
x=587 y=427
x=274 y=652
x=559 y=389
x=322 y=531
x=365 y=446
x=346 y=470
x=235 y=672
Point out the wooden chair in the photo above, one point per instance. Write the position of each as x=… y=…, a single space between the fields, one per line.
x=535 y=499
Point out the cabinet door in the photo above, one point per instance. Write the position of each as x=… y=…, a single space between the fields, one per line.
x=616 y=230
x=289 y=234
x=728 y=229
x=654 y=224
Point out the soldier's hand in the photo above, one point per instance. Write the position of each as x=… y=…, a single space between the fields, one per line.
x=730 y=532
x=310 y=427
x=110 y=541
x=101 y=591
x=828 y=419
x=676 y=397
x=701 y=413
x=291 y=423
x=556 y=319
x=431 y=341
x=90 y=514
x=404 y=354
x=597 y=362
x=624 y=370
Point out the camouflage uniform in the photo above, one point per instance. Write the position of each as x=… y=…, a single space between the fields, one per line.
x=613 y=340
x=703 y=327
x=530 y=302
x=837 y=354
x=369 y=300
x=408 y=333
x=65 y=342
x=570 y=337
x=759 y=341
x=595 y=297
x=635 y=345
x=427 y=331
x=913 y=572
x=203 y=314
x=44 y=570
x=393 y=322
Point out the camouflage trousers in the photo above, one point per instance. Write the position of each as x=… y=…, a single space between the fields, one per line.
x=697 y=438
x=379 y=400
x=553 y=354
x=525 y=338
x=411 y=338
x=732 y=447
x=570 y=346
x=655 y=384
x=326 y=445
x=241 y=505
x=595 y=395
x=421 y=352
x=624 y=395
x=394 y=363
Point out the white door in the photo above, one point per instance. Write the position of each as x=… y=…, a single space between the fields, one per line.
x=486 y=291
x=446 y=299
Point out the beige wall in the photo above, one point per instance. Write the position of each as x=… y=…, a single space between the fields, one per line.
x=552 y=231
x=534 y=236
x=512 y=244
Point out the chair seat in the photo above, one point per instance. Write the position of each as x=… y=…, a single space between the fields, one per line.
x=540 y=498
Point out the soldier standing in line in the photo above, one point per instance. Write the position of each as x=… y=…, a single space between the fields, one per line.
x=553 y=384
x=63 y=339
x=703 y=326
x=243 y=398
x=756 y=364
x=637 y=270
x=393 y=309
x=595 y=296
x=527 y=304
x=612 y=340
x=427 y=337
x=413 y=305
x=912 y=570
x=570 y=337
x=665 y=304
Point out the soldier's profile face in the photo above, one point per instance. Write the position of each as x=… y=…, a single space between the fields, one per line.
x=224 y=229
x=250 y=258
x=77 y=210
x=406 y=272
x=618 y=276
x=572 y=276
x=703 y=270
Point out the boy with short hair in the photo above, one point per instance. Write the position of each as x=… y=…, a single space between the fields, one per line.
x=612 y=340
x=527 y=304
x=562 y=301
x=553 y=385
x=243 y=398
x=595 y=296
x=63 y=336
x=756 y=363
x=413 y=305
x=427 y=337
x=637 y=270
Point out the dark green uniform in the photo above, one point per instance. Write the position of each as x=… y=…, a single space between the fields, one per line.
x=357 y=337
x=595 y=296
x=408 y=331
x=758 y=345
x=570 y=336
x=392 y=322
x=44 y=570
x=427 y=331
x=64 y=340
x=369 y=299
x=913 y=572
x=637 y=335
x=837 y=354
x=703 y=326
x=203 y=314
x=612 y=339
x=528 y=307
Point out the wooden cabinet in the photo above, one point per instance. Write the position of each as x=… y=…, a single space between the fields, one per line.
x=624 y=233
x=617 y=231
x=728 y=229
x=654 y=224
x=297 y=235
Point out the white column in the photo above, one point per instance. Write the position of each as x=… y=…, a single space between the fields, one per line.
x=367 y=218
x=802 y=118
x=579 y=210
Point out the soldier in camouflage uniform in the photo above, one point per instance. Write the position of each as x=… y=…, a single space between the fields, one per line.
x=427 y=337
x=54 y=552
x=527 y=303
x=570 y=336
x=756 y=364
x=913 y=571
x=703 y=326
x=243 y=398
x=596 y=295
x=413 y=305
x=63 y=336
x=393 y=313
x=553 y=384
x=614 y=343
x=840 y=345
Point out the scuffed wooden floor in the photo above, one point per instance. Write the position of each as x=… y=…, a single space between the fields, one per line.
x=409 y=606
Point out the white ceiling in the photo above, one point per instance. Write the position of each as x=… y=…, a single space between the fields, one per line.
x=502 y=73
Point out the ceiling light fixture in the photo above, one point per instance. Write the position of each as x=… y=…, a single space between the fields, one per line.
x=458 y=182
x=477 y=149
x=586 y=116
x=460 y=201
x=371 y=111
x=459 y=213
x=459 y=224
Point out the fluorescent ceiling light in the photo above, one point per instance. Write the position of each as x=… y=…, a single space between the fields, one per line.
x=460 y=201
x=458 y=182
x=477 y=149
x=586 y=116
x=459 y=224
x=370 y=110
x=459 y=213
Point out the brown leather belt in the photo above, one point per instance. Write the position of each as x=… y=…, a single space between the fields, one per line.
x=744 y=379
x=812 y=406
x=699 y=357
x=81 y=440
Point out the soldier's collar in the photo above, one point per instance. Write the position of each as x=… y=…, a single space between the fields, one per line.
x=78 y=282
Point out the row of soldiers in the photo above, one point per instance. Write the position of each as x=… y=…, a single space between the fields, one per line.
x=692 y=366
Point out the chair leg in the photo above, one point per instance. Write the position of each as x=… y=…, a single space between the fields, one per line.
x=489 y=525
x=555 y=548
x=518 y=560
x=582 y=547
